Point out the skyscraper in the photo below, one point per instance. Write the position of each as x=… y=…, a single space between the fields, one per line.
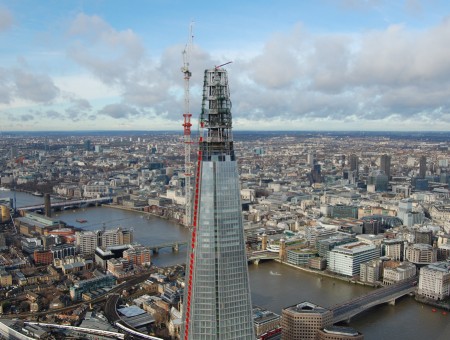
x=422 y=166
x=353 y=163
x=385 y=165
x=217 y=302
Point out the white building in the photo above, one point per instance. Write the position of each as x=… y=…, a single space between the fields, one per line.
x=346 y=259
x=86 y=242
x=434 y=280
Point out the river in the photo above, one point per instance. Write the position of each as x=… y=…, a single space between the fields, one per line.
x=273 y=285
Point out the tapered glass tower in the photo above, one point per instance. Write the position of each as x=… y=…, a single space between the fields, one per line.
x=217 y=301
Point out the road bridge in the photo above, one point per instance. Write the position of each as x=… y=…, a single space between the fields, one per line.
x=345 y=311
x=71 y=203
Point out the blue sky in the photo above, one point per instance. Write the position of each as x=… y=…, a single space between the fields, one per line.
x=297 y=65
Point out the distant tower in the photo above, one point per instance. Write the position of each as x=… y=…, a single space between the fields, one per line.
x=353 y=163
x=217 y=302
x=422 y=166
x=311 y=158
x=385 y=165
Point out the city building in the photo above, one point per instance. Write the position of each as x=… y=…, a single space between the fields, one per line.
x=422 y=166
x=138 y=255
x=394 y=249
x=217 y=303
x=394 y=272
x=265 y=321
x=304 y=320
x=434 y=281
x=353 y=163
x=339 y=333
x=370 y=271
x=5 y=278
x=377 y=181
x=420 y=253
x=424 y=236
x=385 y=165
x=81 y=287
x=300 y=257
x=42 y=257
x=62 y=250
x=102 y=255
x=346 y=259
x=86 y=242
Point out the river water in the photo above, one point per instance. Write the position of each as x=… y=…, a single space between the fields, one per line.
x=273 y=285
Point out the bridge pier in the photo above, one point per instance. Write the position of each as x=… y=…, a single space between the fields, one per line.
x=392 y=302
x=155 y=250
x=256 y=261
x=175 y=248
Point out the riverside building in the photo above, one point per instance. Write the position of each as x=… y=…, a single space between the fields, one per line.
x=346 y=259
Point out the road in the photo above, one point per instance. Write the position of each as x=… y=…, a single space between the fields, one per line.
x=382 y=295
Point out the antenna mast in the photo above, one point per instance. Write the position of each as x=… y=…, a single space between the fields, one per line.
x=188 y=167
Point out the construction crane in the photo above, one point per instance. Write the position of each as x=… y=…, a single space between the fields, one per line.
x=188 y=167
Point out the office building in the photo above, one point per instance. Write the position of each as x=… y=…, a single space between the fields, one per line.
x=421 y=253
x=385 y=165
x=86 y=242
x=394 y=249
x=377 y=181
x=304 y=320
x=346 y=259
x=217 y=302
x=138 y=255
x=395 y=272
x=422 y=166
x=353 y=163
x=370 y=272
x=265 y=321
x=434 y=281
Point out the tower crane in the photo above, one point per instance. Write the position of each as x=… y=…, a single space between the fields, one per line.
x=188 y=166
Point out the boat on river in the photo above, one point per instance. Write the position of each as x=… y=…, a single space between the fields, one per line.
x=81 y=220
x=38 y=194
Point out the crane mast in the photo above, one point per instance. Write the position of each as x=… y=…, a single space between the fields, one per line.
x=188 y=166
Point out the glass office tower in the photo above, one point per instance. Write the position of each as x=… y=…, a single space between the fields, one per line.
x=217 y=301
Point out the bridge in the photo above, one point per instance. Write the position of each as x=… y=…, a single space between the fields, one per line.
x=67 y=204
x=174 y=245
x=258 y=255
x=345 y=311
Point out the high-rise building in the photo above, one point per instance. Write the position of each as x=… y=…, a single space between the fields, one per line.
x=385 y=165
x=422 y=166
x=86 y=242
x=353 y=163
x=217 y=302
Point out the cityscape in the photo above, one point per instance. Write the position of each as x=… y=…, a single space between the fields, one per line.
x=313 y=201
x=281 y=171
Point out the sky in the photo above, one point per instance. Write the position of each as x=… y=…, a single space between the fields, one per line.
x=369 y=65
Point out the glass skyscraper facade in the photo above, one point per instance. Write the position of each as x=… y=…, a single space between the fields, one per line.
x=217 y=302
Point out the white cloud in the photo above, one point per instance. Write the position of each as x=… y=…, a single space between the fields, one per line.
x=34 y=87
